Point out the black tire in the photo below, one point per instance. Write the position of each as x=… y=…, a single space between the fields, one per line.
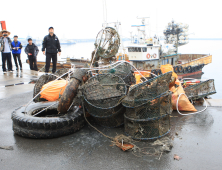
x=185 y=70
x=48 y=124
x=180 y=69
x=158 y=72
x=154 y=72
x=189 y=69
x=176 y=69
x=202 y=66
x=43 y=79
x=193 y=69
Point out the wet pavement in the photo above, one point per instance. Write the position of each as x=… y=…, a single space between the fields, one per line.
x=196 y=139
x=17 y=82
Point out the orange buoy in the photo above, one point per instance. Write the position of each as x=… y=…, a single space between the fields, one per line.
x=148 y=55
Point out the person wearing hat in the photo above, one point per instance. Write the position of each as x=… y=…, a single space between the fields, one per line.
x=32 y=51
x=52 y=46
x=5 y=49
x=16 y=51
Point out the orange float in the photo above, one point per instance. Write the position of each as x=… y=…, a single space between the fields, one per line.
x=148 y=55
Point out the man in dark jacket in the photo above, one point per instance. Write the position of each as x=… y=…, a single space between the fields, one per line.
x=32 y=51
x=16 y=51
x=6 y=48
x=52 y=45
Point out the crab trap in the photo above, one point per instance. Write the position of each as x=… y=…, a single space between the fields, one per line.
x=102 y=97
x=123 y=70
x=142 y=129
x=200 y=90
x=157 y=107
x=111 y=121
x=147 y=91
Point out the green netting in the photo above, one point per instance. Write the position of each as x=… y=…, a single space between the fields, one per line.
x=200 y=90
x=147 y=91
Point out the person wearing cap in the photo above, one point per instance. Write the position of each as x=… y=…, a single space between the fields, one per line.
x=5 y=49
x=52 y=46
x=16 y=51
x=32 y=51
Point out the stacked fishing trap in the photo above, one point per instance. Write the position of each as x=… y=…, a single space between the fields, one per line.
x=148 y=108
x=200 y=90
x=103 y=94
x=123 y=70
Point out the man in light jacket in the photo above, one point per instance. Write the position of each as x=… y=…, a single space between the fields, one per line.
x=32 y=51
x=5 y=49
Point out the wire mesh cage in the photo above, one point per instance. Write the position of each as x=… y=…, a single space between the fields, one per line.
x=124 y=70
x=104 y=90
x=114 y=120
x=101 y=112
x=62 y=71
x=160 y=106
x=200 y=90
x=147 y=91
x=147 y=129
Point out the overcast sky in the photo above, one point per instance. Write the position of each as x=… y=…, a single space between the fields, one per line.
x=84 y=18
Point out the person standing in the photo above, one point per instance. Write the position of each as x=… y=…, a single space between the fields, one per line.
x=5 y=49
x=16 y=52
x=52 y=45
x=32 y=51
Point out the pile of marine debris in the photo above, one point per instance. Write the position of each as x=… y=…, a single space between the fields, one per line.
x=112 y=98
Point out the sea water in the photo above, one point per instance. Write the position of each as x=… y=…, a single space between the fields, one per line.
x=211 y=71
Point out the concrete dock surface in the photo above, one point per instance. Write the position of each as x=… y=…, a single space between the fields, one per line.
x=196 y=139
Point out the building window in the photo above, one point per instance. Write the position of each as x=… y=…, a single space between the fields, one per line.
x=144 y=49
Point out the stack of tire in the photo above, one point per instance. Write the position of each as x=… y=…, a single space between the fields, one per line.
x=32 y=122
x=188 y=69
x=148 y=108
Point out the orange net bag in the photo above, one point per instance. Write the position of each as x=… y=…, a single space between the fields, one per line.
x=53 y=91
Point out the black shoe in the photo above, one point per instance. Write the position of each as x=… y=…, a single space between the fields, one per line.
x=21 y=68
x=16 y=68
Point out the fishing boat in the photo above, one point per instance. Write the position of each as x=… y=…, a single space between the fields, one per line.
x=148 y=53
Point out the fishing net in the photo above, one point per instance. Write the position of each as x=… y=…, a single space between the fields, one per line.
x=114 y=120
x=147 y=129
x=101 y=112
x=149 y=90
x=158 y=107
x=104 y=91
x=200 y=90
x=61 y=72
x=123 y=70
